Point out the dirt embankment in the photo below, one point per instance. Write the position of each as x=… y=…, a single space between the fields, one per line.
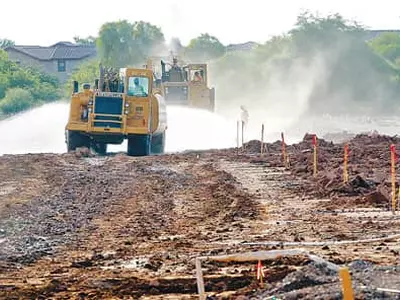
x=96 y=213
x=368 y=168
x=76 y=226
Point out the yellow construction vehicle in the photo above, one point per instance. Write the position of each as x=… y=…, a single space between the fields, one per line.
x=124 y=104
x=186 y=85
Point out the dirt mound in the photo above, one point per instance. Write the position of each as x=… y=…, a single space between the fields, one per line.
x=368 y=166
x=76 y=225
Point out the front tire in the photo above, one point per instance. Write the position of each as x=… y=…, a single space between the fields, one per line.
x=75 y=139
x=138 y=145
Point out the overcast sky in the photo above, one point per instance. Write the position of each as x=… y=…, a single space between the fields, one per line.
x=43 y=22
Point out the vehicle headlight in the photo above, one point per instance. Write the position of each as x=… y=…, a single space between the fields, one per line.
x=126 y=104
x=89 y=109
x=126 y=111
x=90 y=102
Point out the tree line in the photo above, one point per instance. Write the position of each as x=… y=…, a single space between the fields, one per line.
x=329 y=63
x=323 y=65
x=343 y=68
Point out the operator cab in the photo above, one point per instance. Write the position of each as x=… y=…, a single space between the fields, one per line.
x=138 y=86
x=137 y=82
x=197 y=73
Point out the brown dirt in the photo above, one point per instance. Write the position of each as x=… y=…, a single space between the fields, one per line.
x=76 y=226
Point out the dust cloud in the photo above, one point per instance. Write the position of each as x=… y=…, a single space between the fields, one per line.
x=279 y=100
x=41 y=130
x=303 y=93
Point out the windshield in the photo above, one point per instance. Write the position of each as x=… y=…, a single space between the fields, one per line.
x=138 y=86
x=197 y=75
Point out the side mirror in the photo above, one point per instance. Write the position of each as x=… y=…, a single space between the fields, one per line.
x=76 y=86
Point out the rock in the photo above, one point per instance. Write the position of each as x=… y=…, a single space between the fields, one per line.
x=83 y=152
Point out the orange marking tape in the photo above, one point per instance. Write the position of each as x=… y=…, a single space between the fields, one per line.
x=260 y=272
x=347 y=288
x=314 y=141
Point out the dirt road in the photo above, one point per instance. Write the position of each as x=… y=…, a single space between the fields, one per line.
x=73 y=226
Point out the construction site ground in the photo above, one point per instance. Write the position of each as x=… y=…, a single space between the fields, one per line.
x=87 y=227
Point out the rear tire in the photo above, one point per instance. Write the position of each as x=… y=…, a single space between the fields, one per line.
x=75 y=139
x=139 y=145
x=158 y=143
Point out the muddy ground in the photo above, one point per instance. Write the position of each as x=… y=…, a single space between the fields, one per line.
x=84 y=227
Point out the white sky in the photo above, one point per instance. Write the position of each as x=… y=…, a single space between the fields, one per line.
x=43 y=22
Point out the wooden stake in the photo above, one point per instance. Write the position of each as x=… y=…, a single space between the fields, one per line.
x=393 y=173
x=315 y=154
x=284 y=155
x=243 y=135
x=345 y=164
x=200 y=280
x=237 y=136
x=260 y=272
x=347 y=288
x=262 y=139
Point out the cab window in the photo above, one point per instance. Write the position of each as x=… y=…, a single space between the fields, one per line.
x=197 y=75
x=138 y=86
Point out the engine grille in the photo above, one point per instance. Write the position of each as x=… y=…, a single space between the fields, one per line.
x=176 y=95
x=110 y=106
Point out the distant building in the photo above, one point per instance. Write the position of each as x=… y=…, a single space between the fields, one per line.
x=371 y=34
x=241 y=47
x=60 y=59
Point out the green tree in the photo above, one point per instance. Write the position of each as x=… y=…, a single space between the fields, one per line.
x=124 y=44
x=148 y=38
x=115 y=43
x=204 y=47
x=313 y=33
x=90 y=40
x=387 y=45
x=86 y=73
x=323 y=62
x=38 y=87
x=4 y=43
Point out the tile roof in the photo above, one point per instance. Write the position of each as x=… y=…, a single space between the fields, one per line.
x=243 y=46
x=61 y=50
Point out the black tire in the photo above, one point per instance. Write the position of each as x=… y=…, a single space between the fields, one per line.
x=75 y=139
x=139 y=145
x=99 y=148
x=158 y=143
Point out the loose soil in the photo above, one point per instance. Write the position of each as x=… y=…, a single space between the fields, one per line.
x=87 y=227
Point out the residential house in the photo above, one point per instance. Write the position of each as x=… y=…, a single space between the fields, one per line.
x=60 y=59
x=241 y=47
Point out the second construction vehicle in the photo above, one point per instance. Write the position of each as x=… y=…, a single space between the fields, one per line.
x=122 y=105
x=185 y=85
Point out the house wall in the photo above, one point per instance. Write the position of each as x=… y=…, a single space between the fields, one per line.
x=70 y=67
x=50 y=66
x=28 y=61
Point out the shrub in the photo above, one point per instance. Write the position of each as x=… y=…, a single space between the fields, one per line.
x=16 y=100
